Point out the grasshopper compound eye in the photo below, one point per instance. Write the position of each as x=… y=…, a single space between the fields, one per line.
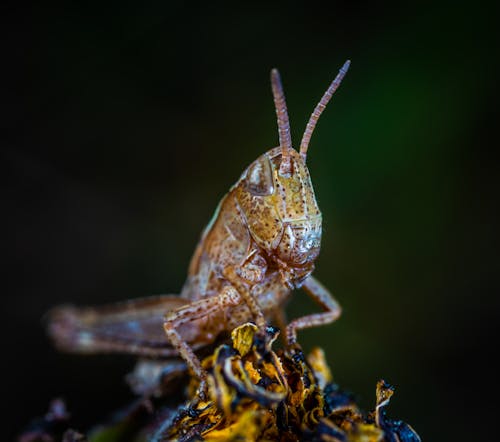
x=259 y=177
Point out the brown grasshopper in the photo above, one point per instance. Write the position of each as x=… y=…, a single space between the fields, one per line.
x=260 y=245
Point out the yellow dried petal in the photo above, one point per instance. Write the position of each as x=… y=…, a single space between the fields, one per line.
x=253 y=373
x=296 y=399
x=242 y=337
x=367 y=433
x=317 y=361
x=246 y=427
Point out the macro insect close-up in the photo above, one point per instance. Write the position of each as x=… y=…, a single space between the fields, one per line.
x=260 y=245
x=163 y=278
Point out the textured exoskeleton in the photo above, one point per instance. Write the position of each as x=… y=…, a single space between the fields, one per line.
x=260 y=244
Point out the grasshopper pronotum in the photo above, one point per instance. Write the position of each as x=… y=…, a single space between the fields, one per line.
x=260 y=244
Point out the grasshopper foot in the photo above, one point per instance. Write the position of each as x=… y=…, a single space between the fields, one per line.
x=297 y=354
x=202 y=391
x=264 y=339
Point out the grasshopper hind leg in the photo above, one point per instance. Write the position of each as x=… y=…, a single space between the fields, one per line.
x=130 y=327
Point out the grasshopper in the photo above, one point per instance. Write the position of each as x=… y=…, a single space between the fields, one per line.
x=261 y=244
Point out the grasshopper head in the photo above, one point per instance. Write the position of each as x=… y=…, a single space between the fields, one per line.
x=277 y=199
x=281 y=211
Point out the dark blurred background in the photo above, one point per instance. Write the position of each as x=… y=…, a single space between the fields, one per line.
x=124 y=124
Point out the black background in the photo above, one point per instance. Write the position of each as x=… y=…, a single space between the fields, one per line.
x=125 y=123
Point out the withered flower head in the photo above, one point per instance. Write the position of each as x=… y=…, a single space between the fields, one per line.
x=256 y=394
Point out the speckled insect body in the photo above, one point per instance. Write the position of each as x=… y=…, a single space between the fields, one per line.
x=260 y=245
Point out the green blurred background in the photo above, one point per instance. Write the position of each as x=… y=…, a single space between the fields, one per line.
x=126 y=123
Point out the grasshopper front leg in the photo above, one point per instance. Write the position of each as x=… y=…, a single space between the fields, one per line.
x=325 y=299
x=201 y=309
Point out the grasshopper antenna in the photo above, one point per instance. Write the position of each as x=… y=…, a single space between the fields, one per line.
x=320 y=107
x=283 y=123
